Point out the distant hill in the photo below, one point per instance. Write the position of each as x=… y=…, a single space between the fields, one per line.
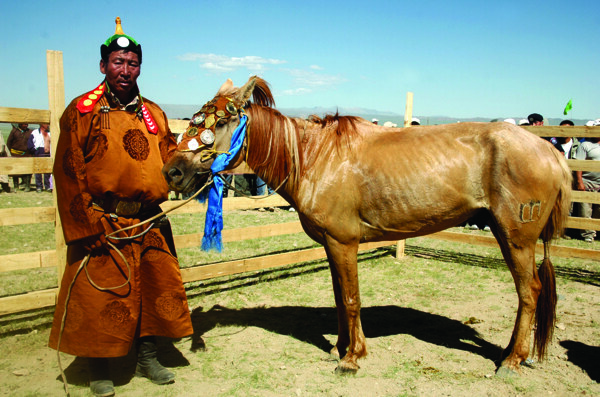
x=187 y=111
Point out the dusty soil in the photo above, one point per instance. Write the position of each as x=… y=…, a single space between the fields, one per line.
x=433 y=327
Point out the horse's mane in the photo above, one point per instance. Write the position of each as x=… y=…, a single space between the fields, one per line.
x=274 y=151
x=344 y=125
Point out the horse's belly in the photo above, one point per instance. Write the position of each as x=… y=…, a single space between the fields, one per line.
x=416 y=211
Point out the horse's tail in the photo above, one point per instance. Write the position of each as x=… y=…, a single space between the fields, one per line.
x=545 y=312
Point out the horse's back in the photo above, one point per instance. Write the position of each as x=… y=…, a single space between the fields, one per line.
x=425 y=179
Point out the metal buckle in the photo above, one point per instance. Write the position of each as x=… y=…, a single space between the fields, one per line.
x=128 y=208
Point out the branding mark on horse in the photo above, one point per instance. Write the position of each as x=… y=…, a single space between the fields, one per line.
x=528 y=211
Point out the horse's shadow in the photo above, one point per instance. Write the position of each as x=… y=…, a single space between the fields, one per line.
x=311 y=324
x=584 y=356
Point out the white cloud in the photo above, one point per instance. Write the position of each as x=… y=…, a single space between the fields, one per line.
x=312 y=79
x=316 y=67
x=222 y=63
x=296 y=91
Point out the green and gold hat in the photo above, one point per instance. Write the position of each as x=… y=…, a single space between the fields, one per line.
x=120 y=41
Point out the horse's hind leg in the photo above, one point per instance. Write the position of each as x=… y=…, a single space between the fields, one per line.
x=521 y=262
x=351 y=344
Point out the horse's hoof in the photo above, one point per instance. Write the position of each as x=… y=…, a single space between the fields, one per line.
x=505 y=372
x=346 y=369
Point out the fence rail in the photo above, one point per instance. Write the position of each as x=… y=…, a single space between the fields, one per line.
x=57 y=257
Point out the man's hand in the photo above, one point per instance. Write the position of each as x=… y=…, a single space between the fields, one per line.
x=94 y=242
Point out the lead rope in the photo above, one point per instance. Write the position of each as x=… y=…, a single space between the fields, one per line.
x=86 y=259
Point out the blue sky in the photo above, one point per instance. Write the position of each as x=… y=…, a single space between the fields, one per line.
x=459 y=58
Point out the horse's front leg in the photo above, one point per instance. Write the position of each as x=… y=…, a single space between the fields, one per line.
x=351 y=344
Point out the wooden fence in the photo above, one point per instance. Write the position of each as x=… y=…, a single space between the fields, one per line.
x=57 y=257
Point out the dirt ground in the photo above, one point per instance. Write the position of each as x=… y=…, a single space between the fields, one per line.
x=433 y=328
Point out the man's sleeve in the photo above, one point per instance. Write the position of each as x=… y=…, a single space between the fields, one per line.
x=79 y=217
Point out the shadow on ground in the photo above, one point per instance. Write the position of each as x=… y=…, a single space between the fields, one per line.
x=584 y=356
x=122 y=369
x=311 y=324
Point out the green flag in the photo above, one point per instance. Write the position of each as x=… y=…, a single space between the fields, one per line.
x=568 y=107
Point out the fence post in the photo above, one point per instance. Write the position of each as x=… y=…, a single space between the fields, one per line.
x=409 y=109
x=56 y=105
x=407 y=120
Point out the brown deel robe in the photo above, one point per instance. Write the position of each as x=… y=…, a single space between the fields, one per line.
x=101 y=157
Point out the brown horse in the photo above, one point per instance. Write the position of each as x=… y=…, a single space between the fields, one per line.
x=352 y=181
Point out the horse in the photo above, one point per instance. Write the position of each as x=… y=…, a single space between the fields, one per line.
x=352 y=181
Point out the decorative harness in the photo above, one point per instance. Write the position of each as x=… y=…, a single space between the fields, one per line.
x=206 y=120
x=203 y=124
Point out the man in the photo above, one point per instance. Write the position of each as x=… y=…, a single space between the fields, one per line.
x=4 y=178
x=535 y=119
x=567 y=145
x=17 y=144
x=107 y=170
x=39 y=145
x=588 y=181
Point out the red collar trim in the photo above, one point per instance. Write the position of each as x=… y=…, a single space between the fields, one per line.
x=87 y=102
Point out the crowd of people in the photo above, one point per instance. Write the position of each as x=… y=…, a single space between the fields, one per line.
x=24 y=142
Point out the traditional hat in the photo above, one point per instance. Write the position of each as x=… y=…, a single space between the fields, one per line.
x=533 y=117
x=120 y=41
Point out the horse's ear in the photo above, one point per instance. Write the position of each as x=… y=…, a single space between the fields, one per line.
x=226 y=87
x=244 y=93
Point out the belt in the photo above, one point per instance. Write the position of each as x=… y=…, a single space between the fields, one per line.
x=119 y=207
x=17 y=152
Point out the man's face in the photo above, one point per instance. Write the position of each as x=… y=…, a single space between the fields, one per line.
x=122 y=70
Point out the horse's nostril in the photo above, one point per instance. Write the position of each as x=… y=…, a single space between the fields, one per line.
x=175 y=174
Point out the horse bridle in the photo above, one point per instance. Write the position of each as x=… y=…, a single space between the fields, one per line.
x=203 y=123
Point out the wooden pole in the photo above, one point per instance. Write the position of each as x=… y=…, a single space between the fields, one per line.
x=56 y=105
x=409 y=109
x=407 y=120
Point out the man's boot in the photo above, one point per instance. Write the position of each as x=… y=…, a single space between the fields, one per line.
x=16 y=183
x=147 y=364
x=5 y=187
x=100 y=383
x=27 y=183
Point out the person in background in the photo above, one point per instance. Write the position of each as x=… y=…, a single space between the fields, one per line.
x=588 y=181
x=108 y=176
x=567 y=145
x=17 y=144
x=375 y=121
x=415 y=121
x=4 y=178
x=39 y=145
x=535 y=119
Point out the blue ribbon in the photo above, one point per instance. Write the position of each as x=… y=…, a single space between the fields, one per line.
x=213 y=224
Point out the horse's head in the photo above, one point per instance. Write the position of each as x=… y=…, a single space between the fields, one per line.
x=209 y=134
